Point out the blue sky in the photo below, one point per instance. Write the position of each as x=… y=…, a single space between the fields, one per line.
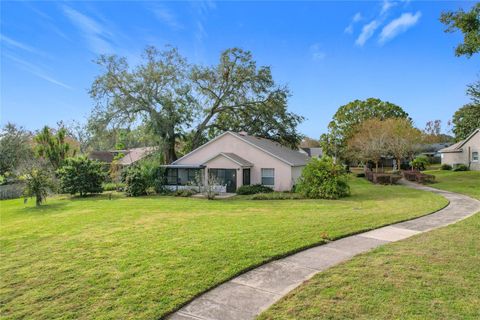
x=328 y=53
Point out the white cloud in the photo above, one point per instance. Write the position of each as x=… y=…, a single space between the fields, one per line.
x=16 y=44
x=399 y=25
x=356 y=18
x=386 y=6
x=367 y=32
x=96 y=35
x=36 y=71
x=167 y=17
x=316 y=52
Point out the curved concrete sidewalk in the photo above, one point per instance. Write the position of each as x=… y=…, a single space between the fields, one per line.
x=247 y=295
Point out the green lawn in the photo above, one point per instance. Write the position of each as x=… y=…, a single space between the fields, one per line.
x=434 y=275
x=140 y=258
x=465 y=182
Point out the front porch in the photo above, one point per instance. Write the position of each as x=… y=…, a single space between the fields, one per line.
x=225 y=171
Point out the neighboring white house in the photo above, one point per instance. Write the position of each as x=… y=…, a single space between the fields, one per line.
x=465 y=152
x=237 y=159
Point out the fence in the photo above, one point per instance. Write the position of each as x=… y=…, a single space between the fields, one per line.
x=11 y=191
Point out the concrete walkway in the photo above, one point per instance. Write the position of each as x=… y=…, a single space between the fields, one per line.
x=247 y=295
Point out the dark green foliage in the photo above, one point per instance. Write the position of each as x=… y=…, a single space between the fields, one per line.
x=253 y=189
x=446 y=167
x=15 y=148
x=419 y=163
x=184 y=193
x=323 y=178
x=81 y=175
x=277 y=196
x=460 y=167
x=466 y=120
x=136 y=182
x=38 y=183
x=469 y=24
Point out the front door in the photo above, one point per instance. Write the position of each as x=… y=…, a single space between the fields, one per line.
x=246 y=177
x=226 y=177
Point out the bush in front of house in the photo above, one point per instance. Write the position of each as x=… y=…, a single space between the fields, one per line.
x=420 y=163
x=323 y=179
x=184 y=193
x=136 y=183
x=253 y=189
x=81 y=175
x=460 y=167
x=446 y=167
x=277 y=196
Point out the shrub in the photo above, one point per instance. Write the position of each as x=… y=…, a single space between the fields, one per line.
x=323 y=178
x=38 y=182
x=136 y=183
x=446 y=167
x=111 y=186
x=81 y=175
x=419 y=163
x=360 y=175
x=184 y=193
x=277 y=196
x=460 y=167
x=253 y=189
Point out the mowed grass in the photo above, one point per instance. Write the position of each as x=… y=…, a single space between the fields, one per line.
x=434 y=275
x=141 y=258
x=465 y=182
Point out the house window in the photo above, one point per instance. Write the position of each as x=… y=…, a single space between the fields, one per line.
x=172 y=175
x=268 y=177
x=474 y=156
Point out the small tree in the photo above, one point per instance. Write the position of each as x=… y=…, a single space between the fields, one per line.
x=419 y=163
x=38 y=183
x=81 y=175
x=322 y=178
x=402 y=138
x=53 y=147
x=369 y=143
x=210 y=187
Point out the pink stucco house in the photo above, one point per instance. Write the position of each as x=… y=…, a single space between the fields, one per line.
x=465 y=152
x=237 y=159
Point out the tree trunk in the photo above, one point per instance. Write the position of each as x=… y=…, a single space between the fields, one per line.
x=376 y=166
x=38 y=201
x=169 y=149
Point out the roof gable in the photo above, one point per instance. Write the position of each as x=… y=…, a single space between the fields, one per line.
x=457 y=147
x=274 y=149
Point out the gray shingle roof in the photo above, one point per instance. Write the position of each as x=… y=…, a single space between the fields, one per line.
x=457 y=147
x=290 y=156
x=236 y=158
x=135 y=154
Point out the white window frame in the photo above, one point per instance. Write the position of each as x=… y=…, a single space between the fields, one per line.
x=265 y=176
x=473 y=157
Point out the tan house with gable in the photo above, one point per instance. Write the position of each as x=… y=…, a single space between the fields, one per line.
x=237 y=159
x=465 y=152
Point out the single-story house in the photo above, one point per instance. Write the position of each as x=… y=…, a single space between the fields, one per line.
x=236 y=159
x=130 y=156
x=465 y=152
x=432 y=151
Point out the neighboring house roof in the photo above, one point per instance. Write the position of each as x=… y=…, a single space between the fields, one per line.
x=233 y=157
x=135 y=154
x=102 y=156
x=287 y=155
x=315 y=152
x=457 y=147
